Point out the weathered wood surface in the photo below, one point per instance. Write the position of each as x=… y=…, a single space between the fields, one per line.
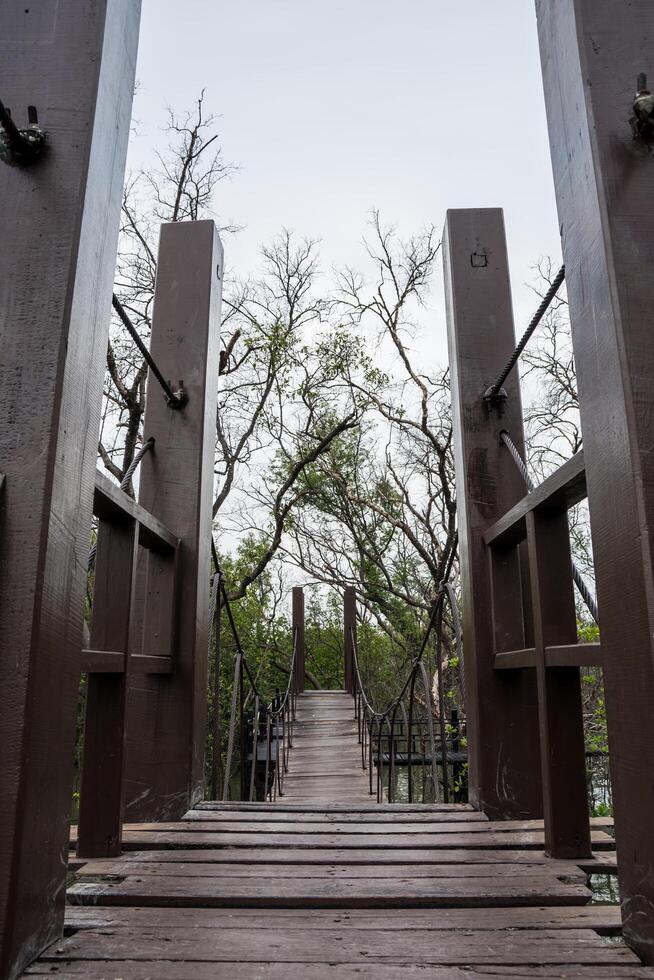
x=591 y=55
x=75 y=64
x=325 y=762
x=351 y=890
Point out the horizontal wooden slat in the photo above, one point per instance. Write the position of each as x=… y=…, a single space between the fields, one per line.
x=142 y=664
x=574 y=655
x=110 y=503
x=113 y=662
x=560 y=491
x=103 y=662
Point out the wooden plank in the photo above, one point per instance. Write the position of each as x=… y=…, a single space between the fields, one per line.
x=273 y=970
x=601 y=861
x=101 y=790
x=580 y=946
x=570 y=655
x=504 y=777
x=112 y=504
x=591 y=55
x=561 y=490
x=74 y=63
x=370 y=817
x=325 y=892
x=547 y=869
x=601 y=918
x=167 y=714
x=133 y=837
x=560 y=712
x=384 y=829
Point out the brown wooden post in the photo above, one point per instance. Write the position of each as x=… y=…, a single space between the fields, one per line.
x=560 y=712
x=504 y=770
x=101 y=796
x=349 y=623
x=74 y=63
x=592 y=54
x=298 y=623
x=166 y=724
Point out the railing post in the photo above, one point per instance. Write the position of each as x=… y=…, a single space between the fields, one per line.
x=166 y=719
x=503 y=748
x=349 y=624
x=592 y=54
x=298 y=624
x=101 y=794
x=74 y=63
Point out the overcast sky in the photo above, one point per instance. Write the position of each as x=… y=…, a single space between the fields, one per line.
x=336 y=107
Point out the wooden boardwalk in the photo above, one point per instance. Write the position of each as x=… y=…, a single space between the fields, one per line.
x=325 y=764
x=299 y=889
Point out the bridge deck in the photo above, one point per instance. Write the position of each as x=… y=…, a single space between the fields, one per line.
x=294 y=889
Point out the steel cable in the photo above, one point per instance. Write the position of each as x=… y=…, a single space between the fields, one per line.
x=495 y=389
x=174 y=399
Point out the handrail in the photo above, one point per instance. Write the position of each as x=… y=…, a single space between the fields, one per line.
x=277 y=717
x=372 y=722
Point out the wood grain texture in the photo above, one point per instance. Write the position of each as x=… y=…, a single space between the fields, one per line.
x=591 y=54
x=503 y=738
x=75 y=62
x=167 y=714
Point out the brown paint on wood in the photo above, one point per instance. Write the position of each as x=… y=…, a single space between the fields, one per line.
x=560 y=712
x=591 y=54
x=167 y=715
x=75 y=63
x=298 y=625
x=349 y=624
x=504 y=771
x=101 y=791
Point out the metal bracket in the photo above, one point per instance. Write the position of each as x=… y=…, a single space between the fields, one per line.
x=496 y=398
x=180 y=397
x=642 y=121
x=20 y=147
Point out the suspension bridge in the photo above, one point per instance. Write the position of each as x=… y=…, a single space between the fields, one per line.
x=307 y=866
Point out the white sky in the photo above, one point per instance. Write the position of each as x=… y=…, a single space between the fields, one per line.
x=337 y=107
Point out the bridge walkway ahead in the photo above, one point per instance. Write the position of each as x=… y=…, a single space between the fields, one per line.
x=334 y=888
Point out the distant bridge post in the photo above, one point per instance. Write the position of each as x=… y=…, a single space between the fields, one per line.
x=503 y=741
x=166 y=714
x=349 y=624
x=592 y=54
x=298 y=624
x=74 y=65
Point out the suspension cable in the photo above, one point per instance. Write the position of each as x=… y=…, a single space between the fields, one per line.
x=174 y=399
x=582 y=586
x=495 y=392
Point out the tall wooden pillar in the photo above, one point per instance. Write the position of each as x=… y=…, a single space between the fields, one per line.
x=74 y=63
x=298 y=624
x=503 y=744
x=166 y=716
x=349 y=624
x=591 y=55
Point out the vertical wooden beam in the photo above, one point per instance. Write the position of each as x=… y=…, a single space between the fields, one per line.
x=504 y=771
x=298 y=623
x=167 y=714
x=349 y=623
x=560 y=716
x=75 y=64
x=604 y=178
x=101 y=796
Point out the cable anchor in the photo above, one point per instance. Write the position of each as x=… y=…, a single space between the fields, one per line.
x=20 y=147
x=642 y=121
